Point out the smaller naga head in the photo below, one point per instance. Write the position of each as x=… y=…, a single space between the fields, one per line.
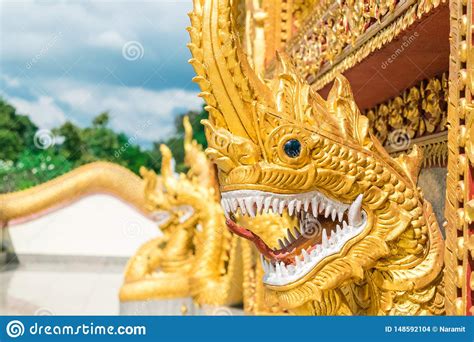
x=187 y=194
x=177 y=199
x=160 y=209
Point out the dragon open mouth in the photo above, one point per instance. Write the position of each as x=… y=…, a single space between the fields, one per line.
x=325 y=227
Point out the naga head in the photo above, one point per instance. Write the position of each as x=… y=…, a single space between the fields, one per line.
x=176 y=199
x=188 y=194
x=281 y=147
x=156 y=203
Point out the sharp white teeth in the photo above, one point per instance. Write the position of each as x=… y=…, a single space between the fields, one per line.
x=266 y=204
x=284 y=271
x=242 y=206
x=298 y=262
x=259 y=204
x=333 y=214
x=278 y=269
x=325 y=239
x=249 y=206
x=291 y=207
x=275 y=204
x=328 y=211
x=344 y=225
x=235 y=204
x=314 y=206
x=281 y=206
x=355 y=214
x=298 y=205
x=340 y=215
x=291 y=269
x=306 y=204
x=225 y=206
x=305 y=255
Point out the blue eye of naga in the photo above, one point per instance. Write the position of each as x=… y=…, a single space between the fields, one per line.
x=292 y=148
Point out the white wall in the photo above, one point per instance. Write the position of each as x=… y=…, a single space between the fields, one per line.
x=97 y=225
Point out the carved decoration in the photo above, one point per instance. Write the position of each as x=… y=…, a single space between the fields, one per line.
x=418 y=112
x=338 y=35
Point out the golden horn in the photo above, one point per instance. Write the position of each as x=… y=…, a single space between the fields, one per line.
x=228 y=83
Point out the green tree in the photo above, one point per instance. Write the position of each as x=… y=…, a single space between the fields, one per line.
x=73 y=147
x=101 y=120
x=16 y=132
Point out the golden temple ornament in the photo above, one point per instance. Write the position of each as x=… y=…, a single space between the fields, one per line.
x=367 y=241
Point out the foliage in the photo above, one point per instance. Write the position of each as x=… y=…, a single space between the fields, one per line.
x=24 y=164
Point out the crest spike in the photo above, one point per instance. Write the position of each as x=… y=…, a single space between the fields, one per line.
x=229 y=85
x=353 y=124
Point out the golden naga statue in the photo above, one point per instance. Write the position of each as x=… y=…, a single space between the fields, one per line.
x=367 y=241
x=189 y=209
x=197 y=256
x=96 y=177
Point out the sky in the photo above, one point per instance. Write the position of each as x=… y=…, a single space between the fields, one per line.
x=70 y=60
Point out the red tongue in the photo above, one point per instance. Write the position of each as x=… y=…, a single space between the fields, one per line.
x=258 y=242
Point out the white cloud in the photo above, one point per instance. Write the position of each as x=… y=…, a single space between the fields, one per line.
x=108 y=39
x=82 y=22
x=146 y=114
x=134 y=110
x=11 y=82
x=43 y=111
